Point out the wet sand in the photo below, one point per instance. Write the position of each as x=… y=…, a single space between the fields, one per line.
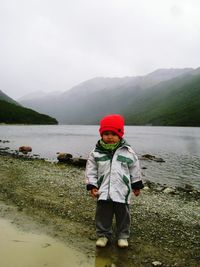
x=23 y=243
x=21 y=249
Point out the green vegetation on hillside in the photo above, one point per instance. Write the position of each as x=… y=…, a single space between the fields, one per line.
x=172 y=103
x=14 y=114
x=169 y=103
x=6 y=98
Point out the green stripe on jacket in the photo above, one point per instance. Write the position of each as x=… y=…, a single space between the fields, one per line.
x=124 y=159
x=104 y=158
x=126 y=181
x=100 y=180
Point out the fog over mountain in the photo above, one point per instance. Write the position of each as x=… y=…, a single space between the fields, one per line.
x=37 y=94
x=88 y=101
x=54 y=45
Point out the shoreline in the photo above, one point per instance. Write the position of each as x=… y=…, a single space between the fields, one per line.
x=68 y=160
x=165 y=225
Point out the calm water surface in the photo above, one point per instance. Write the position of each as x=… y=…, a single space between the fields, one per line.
x=178 y=146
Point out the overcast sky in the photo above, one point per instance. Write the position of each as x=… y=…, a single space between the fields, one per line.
x=52 y=45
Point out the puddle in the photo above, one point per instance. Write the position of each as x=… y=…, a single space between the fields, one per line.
x=26 y=249
x=22 y=249
x=112 y=256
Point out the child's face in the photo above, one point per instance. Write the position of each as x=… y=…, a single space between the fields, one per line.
x=110 y=137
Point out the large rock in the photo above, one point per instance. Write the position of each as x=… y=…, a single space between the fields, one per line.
x=68 y=158
x=25 y=149
x=151 y=157
x=64 y=157
x=79 y=162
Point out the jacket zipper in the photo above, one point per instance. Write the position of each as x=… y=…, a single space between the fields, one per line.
x=112 y=155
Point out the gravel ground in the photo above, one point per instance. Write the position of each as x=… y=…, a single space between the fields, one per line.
x=165 y=228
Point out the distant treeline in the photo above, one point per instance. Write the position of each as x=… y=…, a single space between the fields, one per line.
x=15 y=114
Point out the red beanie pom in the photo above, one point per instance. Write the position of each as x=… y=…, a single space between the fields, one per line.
x=114 y=123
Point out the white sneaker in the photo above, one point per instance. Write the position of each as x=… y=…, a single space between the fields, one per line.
x=102 y=242
x=123 y=243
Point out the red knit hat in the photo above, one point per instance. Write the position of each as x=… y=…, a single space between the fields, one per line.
x=114 y=123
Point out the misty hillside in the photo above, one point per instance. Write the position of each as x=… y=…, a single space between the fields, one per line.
x=13 y=113
x=5 y=97
x=37 y=94
x=163 y=97
x=171 y=103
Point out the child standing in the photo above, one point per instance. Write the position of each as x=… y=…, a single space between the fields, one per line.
x=112 y=172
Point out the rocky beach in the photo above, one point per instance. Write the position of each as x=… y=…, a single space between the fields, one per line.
x=52 y=197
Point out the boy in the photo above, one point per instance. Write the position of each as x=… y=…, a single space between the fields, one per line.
x=112 y=172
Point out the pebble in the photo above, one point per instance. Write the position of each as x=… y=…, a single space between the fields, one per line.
x=156 y=263
x=169 y=190
x=146 y=188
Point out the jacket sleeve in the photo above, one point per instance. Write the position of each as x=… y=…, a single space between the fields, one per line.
x=135 y=174
x=91 y=172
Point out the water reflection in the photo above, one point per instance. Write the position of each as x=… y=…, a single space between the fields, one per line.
x=22 y=249
x=112 y=256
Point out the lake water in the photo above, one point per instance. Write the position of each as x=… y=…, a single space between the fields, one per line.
x=178 y=146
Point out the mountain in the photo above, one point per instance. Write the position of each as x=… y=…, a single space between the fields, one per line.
x=163 y=97
x=171 y=103
x=5 y=97
x=38 y=94
x=13 y=113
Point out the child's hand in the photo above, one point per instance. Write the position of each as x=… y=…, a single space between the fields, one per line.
x=136 y=192
x=94 y=192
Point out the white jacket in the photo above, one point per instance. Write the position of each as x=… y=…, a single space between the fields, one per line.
x=115 y=175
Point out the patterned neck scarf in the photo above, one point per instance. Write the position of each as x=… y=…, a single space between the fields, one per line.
x=110 y=147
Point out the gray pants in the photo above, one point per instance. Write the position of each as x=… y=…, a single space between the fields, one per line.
x=105 y=212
